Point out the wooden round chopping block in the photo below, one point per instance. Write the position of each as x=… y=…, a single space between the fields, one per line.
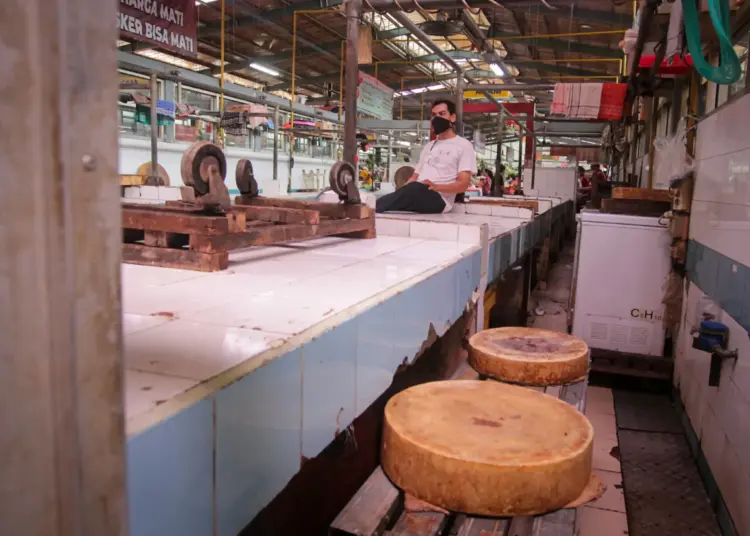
x=145 y=169
x=529 y=356
x=486 y=448
x=402 y=175
x=197 y=163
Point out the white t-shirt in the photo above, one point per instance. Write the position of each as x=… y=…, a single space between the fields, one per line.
x=442 y=160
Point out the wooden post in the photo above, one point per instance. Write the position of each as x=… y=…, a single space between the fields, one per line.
x=61 y=383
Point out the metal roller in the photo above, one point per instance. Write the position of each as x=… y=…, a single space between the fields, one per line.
x=197 y=162
x=342 y=174
x=245 y=177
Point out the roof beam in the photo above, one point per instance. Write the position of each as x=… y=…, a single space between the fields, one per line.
x=560 y=44
x=553 y=68
x=607 y=17
x=272 y=15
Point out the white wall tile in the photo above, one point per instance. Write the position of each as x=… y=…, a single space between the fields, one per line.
x=734 y=483
x=511 y=212
x=434 y=231
x=391 y=227
x=131 y=192
x=726 y=131
x=167 y=193
x=722 y=227
x=149 y=192
x=724 y=178
x=192 y=350
x=476 y=208
x=713 y=439
x=469 y=234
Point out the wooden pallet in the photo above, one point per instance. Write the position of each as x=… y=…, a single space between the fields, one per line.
x=194 y=237
x=380 y=509
x=499 y=201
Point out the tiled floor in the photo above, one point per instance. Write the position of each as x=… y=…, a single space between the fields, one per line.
x=605 y=516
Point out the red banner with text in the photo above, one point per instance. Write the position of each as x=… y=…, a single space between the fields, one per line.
x=168 y=24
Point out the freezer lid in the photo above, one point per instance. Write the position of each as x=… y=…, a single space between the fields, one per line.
x=595 y=216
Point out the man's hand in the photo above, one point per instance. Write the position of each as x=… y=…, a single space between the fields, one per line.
x=431 y=185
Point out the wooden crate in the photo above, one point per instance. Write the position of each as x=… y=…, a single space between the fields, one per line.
x=635 y=207
x=381 y=509
x=643 y=194
x=192 y=237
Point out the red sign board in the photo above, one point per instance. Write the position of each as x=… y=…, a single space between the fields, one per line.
x=185 y=133
x=169 y=24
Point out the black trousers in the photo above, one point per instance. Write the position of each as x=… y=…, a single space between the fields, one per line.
x=412 y=197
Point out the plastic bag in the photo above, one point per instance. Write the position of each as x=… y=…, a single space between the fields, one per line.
x=671 y=160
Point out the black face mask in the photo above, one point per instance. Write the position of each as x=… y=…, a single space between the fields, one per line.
x=440 y=125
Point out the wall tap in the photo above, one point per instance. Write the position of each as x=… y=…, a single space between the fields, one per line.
x=718 y=355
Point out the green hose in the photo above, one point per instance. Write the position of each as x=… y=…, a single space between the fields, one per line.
x=729 y=69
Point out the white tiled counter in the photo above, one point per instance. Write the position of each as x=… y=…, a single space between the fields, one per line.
x=232 y=377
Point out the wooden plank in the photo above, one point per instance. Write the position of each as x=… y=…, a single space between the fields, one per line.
x=271 y=234
x=281 y=233
x=497 y=201
x=327 y=210
x=635 y=207
x=521 y=526
x=174 y=258
x=160 y=239
x=575 y=394
x=419 y=524
x=281 y=215
x=643 y=194
x=371 y=508
x=361 y=228
x=480 y=526
x=173 y=222
x=237 y=221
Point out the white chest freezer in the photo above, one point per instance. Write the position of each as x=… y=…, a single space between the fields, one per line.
x=622 y=267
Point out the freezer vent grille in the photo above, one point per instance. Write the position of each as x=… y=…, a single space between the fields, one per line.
x=639 y=336
x=619 y=334
x=598 y=331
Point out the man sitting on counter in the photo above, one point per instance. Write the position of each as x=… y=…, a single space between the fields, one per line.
x=444 y=171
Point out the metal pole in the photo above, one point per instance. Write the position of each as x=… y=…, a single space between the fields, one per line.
x=460 y=103
x=520 y=157
x=398 y=6
x=154 y=125
x=497 y=186
x=388 y=160
x=275 y=143
x=353 y=10
x=533 y=161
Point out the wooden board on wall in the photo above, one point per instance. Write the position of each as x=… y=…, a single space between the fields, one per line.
x=644 y=194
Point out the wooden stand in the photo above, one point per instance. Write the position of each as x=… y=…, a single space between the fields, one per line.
x=531 y=204
x=199 y=236
x=381 y=509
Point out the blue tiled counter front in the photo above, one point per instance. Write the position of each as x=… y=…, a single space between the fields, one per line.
x=222 y=459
